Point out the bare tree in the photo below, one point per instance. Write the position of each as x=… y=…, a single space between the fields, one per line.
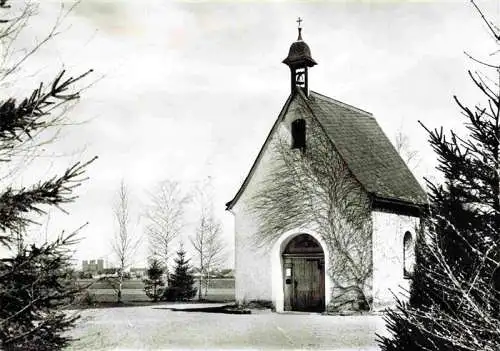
x=125 y=242
x=209 y=248
x=314 y=188
x=216 y=254
x=165 y=218
x=199 y=245
x=207 y=241
x=404 y=149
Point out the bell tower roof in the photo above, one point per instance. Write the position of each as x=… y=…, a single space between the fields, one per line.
x=299 y=54
x=299 y=60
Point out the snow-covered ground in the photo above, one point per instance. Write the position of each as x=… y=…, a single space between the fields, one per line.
x=157 y=327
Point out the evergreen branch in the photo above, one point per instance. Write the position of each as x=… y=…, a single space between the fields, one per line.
x=492 y=30
x=479 y=61
x=55 y=191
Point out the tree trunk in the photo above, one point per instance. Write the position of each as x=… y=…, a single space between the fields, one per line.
x=155 y=291
x=207 y=283
x=199 y=287
x=120 y=293
x=120 y=283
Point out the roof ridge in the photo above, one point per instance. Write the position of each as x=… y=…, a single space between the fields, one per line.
x=343 y=104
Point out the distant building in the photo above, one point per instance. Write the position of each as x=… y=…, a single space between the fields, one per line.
x=93 y=266
x=138 y=272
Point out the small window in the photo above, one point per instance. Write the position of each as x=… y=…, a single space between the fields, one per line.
x=299 y=134
x=408 y=255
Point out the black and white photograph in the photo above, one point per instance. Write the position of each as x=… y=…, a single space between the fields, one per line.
x=250 y=175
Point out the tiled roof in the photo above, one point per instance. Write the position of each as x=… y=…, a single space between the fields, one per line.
x=365 y=148
x=362 y=144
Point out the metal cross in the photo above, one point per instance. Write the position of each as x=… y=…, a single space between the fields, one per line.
x=299 y=21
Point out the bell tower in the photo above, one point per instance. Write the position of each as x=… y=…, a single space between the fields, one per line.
x=299 y=60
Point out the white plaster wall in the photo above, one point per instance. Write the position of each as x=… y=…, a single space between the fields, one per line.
x=253 y=276
x=252 y=264
x=388 y=233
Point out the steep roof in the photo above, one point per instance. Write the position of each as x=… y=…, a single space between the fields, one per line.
x=365 y=148
x=362 y=144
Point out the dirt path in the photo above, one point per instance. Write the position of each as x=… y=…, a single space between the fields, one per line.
x=150 y=328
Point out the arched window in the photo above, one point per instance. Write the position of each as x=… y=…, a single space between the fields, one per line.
x=299 y=134
x=408 y=255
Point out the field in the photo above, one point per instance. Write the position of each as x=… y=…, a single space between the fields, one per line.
x=133 y=290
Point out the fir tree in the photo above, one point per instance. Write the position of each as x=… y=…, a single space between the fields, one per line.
x=181 y=282
x=35 y=284
x=154 y=284
x=35 y=280
x=453 y=302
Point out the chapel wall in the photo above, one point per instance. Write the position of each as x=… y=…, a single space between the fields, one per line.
x=252 y=259
x=388 y=257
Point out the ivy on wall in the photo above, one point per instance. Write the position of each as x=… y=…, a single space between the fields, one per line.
x=312 y=187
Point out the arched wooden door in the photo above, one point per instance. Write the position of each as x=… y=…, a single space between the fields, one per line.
x=304 y=275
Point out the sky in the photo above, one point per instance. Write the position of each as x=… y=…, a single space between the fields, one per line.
x=188 y=90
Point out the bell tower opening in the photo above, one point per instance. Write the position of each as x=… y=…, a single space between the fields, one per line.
x=299 y=60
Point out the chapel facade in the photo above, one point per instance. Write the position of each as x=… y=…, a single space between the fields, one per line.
x=302 y=267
